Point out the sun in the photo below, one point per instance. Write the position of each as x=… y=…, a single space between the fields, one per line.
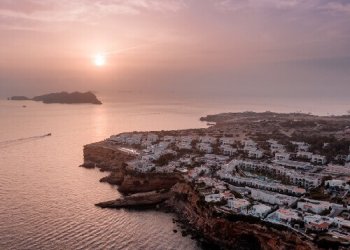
x=99 y=60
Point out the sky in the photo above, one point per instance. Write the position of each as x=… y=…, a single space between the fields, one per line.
x=297 y=49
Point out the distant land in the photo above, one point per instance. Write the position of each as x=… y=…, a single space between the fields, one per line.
x=62 y=97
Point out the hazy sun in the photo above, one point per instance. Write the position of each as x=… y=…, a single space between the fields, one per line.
x=99 y=60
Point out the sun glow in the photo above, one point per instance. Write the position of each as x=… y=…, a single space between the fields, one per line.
x=99 y=60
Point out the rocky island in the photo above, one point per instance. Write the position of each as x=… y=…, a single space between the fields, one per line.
x=63 y=97
x=251 y=181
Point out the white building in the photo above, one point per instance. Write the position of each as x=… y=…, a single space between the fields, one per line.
x=282 y=156
x=141 y=166
x=261 y=184
x=121 y=138
x=207 y=139
x=302 y=146
x=158 y=148
x=260 y=210
x=152 y=137
x=249 y=143
x=214 y=157
x=317 y=223
x=228 y=150
x=304 y=155
x=313 y=206
x=149 y=157
x=276 y=147
x=256 y=154
x=304 y=180
x=284 y=215
x=227 y=140
x=331 y=169
x=340 y=184
x=146 y=143
x=134 y=139
x=319 y=159
x=272 y=198
x=169 y=138
x=184 y=145
x=342 y=223
x=186 y=139
x=294 y=164
x=238 y=205
x=204 y=147
x=197 y=171
x=213 y=198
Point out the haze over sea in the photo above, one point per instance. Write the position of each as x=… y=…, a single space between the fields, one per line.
x=47 y=201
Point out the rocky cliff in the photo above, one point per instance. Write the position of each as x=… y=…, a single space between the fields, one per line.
x=237 y=232
x=136 y=200
x=137 y=182
x=107 y=157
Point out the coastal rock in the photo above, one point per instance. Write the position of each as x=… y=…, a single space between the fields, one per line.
x=115 y=178
x=137 y=182
x=231 y=232
x=136 y=200
x=105 y=156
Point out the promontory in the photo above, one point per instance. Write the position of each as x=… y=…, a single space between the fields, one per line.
x=251 y=181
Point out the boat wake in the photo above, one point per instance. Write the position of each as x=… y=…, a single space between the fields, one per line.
x=14 y=142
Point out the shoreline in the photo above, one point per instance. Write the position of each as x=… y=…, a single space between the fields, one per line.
x=180 y=190
x=186 y=222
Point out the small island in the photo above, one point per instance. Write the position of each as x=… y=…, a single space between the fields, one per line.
x=62 y=97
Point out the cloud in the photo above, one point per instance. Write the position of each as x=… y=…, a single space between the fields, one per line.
x=235 y=5
x=337 y=6
x=311 y=5
x=81 y=10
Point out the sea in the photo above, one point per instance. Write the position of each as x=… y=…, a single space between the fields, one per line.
x=47 y=200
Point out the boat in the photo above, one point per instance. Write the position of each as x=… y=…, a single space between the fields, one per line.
x=49 y=134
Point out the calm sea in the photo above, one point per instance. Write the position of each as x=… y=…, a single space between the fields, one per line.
x=47 y=201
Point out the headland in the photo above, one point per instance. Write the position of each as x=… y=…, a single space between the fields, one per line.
x=252 y=180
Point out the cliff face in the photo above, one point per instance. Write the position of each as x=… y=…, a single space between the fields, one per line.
x=107 y=158
x=236 y=233
x=136 y=200
x=136 y=183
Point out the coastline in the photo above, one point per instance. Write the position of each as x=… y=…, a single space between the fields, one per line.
x=188 y=173
x=182 y=199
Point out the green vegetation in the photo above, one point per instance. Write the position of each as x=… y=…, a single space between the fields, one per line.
x=319 y=194
x=298 y=124
x=164 y=159
x=335 y=147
